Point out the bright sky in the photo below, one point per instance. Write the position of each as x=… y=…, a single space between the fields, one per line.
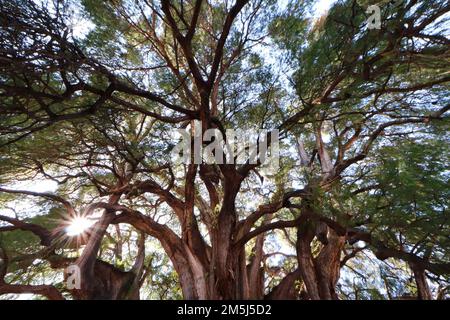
x=83 y=26
x=322 y=6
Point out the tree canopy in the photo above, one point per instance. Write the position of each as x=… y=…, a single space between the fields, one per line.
x=92 y=94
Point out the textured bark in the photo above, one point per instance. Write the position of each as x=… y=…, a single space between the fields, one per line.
x=199 y=275
x=328 y=265
x=320 y=274
x=172 y=244
x=243 y=283
x=225 y=258
x=423 y=290
x=185 y=276
x=255 y=272
x=306 y=262
x=286 y=289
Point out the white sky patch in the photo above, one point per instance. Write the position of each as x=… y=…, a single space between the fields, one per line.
x=326 y=137
x=81 y=28
x=27 y=205
x=41 y=185
x=322 y=6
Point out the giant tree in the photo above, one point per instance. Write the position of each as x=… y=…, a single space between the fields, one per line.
x=95 y=109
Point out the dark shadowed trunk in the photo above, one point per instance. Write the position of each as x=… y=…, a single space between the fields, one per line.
x=320 y=273
x=423 y=290
x=225 y=260
x=286 y=289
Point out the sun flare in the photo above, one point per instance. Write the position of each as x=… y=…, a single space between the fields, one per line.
x=78 y=225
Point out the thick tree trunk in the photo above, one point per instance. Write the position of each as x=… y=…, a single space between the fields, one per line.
x=286 y=289
x=423 y=290
x=328 y=265
x=108 y=283
x=182 y=267
x=255 y=272
x=243 y=283
x=320 y=274
x=225 y=259
x=305 y=234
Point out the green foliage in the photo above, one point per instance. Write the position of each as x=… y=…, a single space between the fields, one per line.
x=334 y=78
x=411 y=206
